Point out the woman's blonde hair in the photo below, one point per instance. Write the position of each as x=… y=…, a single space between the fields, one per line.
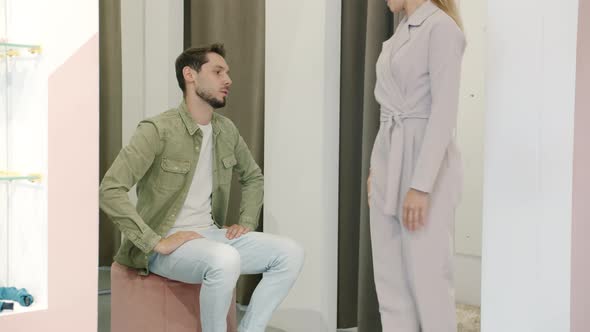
x=450 y=7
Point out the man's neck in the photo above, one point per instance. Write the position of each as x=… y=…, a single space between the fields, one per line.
x=200 y=110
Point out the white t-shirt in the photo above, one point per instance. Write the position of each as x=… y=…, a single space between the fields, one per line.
x=196 y=211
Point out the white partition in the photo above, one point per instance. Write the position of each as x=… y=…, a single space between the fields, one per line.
x=470 y=137
x=301 y=151
x=528 y=165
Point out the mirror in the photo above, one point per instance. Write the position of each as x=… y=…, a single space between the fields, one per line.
x=23 y=164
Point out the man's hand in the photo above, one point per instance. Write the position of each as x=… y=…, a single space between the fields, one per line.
x=235 y=231
x=415 y=209
x=168 y=245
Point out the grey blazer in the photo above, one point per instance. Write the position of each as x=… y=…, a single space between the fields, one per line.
x=418 y=74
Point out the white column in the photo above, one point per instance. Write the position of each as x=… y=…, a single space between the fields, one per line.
x=133 y=65
x=470 y=135
x=301 y=151
x=163 y=42
x=152 y=38
x=528 y=165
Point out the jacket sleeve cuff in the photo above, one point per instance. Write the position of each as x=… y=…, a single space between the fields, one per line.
x=421 y=186
x=147 y=241
x=248 y=222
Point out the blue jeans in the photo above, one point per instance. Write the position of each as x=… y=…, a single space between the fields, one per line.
x=216 y=262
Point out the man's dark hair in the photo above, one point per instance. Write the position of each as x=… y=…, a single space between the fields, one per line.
x=195 y=57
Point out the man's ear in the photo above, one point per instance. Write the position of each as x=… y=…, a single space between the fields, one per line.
x=188 y=74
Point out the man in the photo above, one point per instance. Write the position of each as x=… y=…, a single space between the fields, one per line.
x=182 y=161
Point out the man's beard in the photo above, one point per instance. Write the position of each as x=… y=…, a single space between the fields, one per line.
x=209 y=99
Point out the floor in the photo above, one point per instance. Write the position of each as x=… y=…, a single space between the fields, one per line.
x=468 y=317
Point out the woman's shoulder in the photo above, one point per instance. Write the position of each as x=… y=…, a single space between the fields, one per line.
x=444 y=29
x=442 y=22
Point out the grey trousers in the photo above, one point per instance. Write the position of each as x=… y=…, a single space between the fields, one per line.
x=413 y=270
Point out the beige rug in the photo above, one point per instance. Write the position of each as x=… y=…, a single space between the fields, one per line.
x=468 y=318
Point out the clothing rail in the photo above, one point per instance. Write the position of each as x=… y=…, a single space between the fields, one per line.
x=14 y=49
x=14 y=176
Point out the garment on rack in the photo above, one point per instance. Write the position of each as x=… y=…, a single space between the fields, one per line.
x=17 y=295
x=6 y=306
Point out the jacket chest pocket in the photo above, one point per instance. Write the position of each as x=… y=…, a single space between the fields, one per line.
x=173 y=173
x=226 y=169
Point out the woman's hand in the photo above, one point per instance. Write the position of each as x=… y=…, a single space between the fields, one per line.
x=414 y=209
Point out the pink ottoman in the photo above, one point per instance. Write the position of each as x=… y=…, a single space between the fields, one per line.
x=156 y=304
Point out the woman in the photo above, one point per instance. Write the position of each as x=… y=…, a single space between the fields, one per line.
x=415 y=178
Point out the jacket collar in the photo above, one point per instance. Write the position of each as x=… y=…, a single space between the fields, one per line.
x=423 y=12
x=190 y=124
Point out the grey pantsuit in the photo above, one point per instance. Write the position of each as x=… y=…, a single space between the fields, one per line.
x=418 y=74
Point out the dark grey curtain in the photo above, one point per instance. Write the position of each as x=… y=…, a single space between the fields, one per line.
x=110 y=113
x=365 y=25
x=240 y=26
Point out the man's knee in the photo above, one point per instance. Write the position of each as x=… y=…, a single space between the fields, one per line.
x=294 y=254
x=224 y=265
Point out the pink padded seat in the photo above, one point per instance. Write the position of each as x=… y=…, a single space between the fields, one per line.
x=156 y=304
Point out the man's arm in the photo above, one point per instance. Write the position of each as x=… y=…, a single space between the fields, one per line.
x=131 y=164
x=252 y=182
